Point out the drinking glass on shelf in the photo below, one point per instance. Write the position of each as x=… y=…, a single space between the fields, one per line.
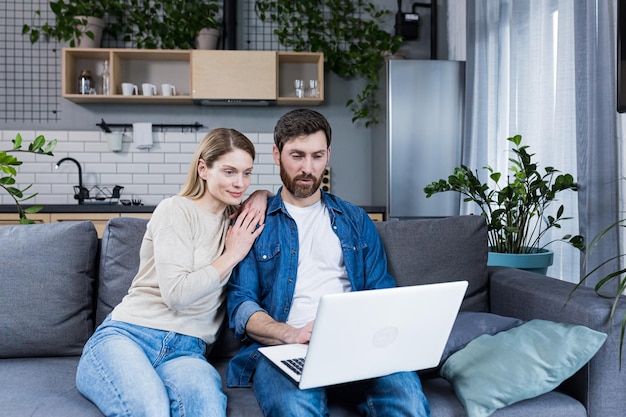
x=299 y=86
x=313 y=88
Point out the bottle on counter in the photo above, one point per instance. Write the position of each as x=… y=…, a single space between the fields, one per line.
x=85 y=82
x=106 y=79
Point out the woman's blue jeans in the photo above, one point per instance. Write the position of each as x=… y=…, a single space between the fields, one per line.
x=129 y=370
x=395 y=395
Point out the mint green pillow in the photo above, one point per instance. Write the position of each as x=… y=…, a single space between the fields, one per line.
x=492 y=372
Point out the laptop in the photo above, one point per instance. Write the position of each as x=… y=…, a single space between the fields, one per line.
x=367 y=334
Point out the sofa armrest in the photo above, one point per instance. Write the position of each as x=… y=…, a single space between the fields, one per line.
x=599 y=385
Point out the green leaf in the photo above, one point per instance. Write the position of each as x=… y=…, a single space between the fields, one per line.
x=33 y=209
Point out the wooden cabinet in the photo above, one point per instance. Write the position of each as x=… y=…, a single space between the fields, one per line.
x=232 y=77
x=305 y=66
x=377 y=217
x=7 y=219
x=135 y=66
x=98 y=219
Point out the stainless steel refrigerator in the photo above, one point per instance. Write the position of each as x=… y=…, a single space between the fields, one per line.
x=423 y=137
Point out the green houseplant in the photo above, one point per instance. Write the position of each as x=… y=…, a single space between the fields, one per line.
x=73 y=20
x=613 y=282
x=169 y=24
x=8 y=172
x=517 y=212
x=347 y=32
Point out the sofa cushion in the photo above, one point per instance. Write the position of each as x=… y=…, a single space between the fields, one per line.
x=119 y=261
x=43 y=387
x=492 y=372
x=425 y=251
x=47 y=279
x=469 y=325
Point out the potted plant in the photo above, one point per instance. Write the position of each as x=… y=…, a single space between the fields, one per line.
x=79 y=22
x=170 y=24
x=348 y=33
x=7 y=167
x=516 y=212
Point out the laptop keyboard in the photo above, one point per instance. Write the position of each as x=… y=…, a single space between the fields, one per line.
x=295 y=364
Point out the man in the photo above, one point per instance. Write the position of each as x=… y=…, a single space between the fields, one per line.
x=313 y=243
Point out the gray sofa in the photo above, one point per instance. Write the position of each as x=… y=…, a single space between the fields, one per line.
x=58 y=281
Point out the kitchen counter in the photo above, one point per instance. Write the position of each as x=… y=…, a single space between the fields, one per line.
x=82 y=208
x=120 y=208
x=100 y=214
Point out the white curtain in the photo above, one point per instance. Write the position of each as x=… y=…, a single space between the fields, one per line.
x=522 y=58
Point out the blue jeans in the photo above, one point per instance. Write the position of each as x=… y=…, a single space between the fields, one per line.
x=129 y=370
x=395 y=395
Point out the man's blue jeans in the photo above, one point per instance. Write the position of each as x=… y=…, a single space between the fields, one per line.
x=129 y=370
x=395 y=395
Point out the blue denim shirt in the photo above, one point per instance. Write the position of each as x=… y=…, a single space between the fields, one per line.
x=266 y=278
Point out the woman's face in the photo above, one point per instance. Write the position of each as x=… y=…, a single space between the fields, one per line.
x=229 y=177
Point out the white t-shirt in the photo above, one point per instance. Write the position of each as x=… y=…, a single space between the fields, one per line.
x=321 y=269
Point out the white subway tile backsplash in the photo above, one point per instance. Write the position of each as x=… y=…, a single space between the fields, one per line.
x=163 y=169
x=150 y=157
x=265 y=159
x=150 y=175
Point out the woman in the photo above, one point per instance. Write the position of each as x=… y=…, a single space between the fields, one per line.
x=147 y=357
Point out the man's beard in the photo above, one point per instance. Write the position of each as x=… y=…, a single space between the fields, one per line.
x=299 y=190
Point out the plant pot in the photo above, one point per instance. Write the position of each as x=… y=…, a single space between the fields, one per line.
x=94 y=25
x=207 y=38
x=537 y=262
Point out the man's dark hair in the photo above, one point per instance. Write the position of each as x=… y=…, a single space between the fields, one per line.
x=300 y=122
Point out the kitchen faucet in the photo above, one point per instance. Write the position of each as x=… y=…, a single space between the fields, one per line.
x=82 y=192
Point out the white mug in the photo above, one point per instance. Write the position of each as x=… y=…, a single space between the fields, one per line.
x=168 y=90
x=115 y=140
x=148 y=89
x=128 y=89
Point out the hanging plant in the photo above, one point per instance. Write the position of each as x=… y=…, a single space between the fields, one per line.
x=70 y=20
x=349 y=35
x=169 y=24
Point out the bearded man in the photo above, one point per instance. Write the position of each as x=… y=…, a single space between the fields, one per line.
x=313 y=243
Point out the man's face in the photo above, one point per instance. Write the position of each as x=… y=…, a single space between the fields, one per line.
x=302 y=163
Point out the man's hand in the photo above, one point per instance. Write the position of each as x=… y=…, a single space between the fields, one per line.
x=264 y=329
x=299 y=335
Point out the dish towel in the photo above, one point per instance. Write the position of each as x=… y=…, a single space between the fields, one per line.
x=142 y=135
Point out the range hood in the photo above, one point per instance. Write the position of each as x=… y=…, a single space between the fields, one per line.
x=233 y=102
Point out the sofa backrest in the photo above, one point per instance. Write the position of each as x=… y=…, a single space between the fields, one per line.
x=424 y=251
x=47 y=276
x=119 y=262
x=419 y=252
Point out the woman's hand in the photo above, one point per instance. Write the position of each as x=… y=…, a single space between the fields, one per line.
x=243 y=232
x=256 y=201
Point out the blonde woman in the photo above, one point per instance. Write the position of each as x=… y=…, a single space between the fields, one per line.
x=147 y=357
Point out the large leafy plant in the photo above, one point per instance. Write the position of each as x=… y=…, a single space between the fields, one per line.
x=8 y=163
x=349 y=34
x=516 y=212
x=70 y=19
x=169 y=24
